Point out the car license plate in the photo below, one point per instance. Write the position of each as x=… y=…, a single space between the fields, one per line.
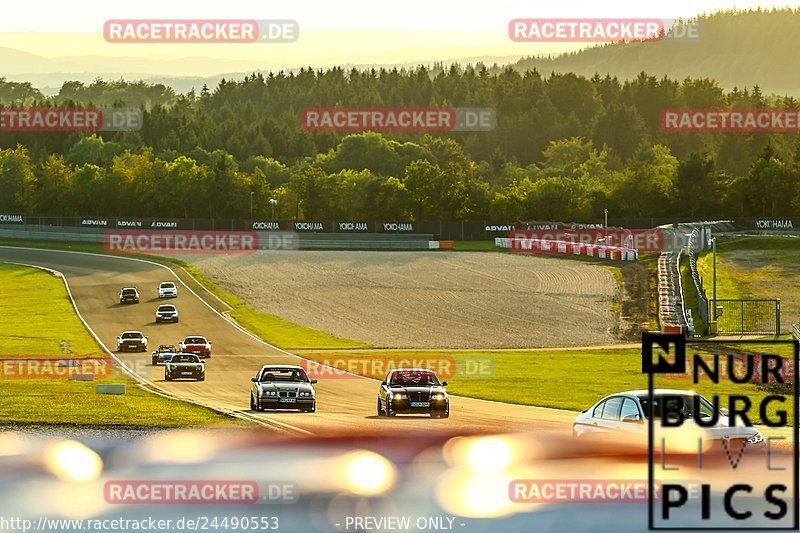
x=420 y=404
x=288 y=400
x=186 y=373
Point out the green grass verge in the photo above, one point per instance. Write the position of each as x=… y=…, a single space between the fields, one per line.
x=270 y=328
x=562 y=379
x=38 y=321
x=757 y=268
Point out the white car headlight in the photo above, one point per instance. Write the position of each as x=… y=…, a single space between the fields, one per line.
x=199 y=367
x=439 y=396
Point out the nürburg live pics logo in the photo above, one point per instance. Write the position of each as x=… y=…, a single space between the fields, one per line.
x=727 y=417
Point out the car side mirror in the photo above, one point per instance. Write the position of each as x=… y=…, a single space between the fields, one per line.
x=631 y=419
x=254 y=380
x=724 y=412
x=444 y=384
x=314 y=381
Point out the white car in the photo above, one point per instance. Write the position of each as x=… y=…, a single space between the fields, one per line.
x=623 y=417
x=167 y=289
x=166 y=313
x=130 y=341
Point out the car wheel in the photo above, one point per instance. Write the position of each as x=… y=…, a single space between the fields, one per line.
x=252 y=403
x=380 y=411
x=201 y=379
x=313 y=408
x=155 y=361
x=167 y=378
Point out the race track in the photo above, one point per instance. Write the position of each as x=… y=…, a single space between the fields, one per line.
x=343 y=405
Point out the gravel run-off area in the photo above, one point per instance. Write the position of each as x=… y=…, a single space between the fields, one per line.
x=427 y=300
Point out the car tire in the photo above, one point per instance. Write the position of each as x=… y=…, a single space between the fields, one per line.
x=167 y=378
x=155 y=361
x=252 y=403
x=312 y=409
x=380 y=410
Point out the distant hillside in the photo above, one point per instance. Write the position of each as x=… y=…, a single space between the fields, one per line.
x=736 y=49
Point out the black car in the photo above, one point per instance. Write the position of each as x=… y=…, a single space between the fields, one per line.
x=413 y=391
x=129 y=295
x=185 y=366
x=283 y=387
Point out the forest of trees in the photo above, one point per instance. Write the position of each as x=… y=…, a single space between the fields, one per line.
x=565 y=147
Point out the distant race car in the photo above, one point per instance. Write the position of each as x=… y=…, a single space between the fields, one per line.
x=413 y=390
x=283 y=387
x=185 y=366
x=132 y=341
x=164 y=354
x=166 y=313
x=129 y=295
x=197 y=345
x=167 y=289
x=622 y=417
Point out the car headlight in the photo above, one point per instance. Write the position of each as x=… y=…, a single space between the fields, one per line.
x=439 y=396
x=755 y=439
x=171 y=367
x=199 y=367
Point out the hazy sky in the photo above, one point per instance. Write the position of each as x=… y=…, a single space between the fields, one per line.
x=332 y=32
x=87 y=16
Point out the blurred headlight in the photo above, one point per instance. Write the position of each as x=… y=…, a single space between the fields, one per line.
x=171 y=367
x=439 y=396
x=199 y=367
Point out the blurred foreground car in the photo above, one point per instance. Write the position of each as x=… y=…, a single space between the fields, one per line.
x=624 y=414
x=196 y=345
x=132 y=341
x=164 y=354
x=129 y=295
x=413 y=390
x=283 y=387
x=185 y=366
x=166 y=313
x=167 y=289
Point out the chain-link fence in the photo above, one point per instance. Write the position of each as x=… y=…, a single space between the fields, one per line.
x=747 y=317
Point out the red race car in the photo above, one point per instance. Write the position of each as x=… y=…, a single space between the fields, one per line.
x=197 y=345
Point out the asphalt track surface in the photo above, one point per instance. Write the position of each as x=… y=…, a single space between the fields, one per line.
x=345 y=406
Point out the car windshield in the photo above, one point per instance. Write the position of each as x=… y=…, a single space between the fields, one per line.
x=128 y=291
x=167 y=308
x=414 y=378
x=184 y=358
x=288 y=375
x=706 y=409
x=130 y=335
x=194 y=340
x=167 y=285
x=166 y=348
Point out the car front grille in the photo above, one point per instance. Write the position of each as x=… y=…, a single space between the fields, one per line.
x=419 y=396
x=286 y=394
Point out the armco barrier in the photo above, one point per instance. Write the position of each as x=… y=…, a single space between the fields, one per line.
x=671 y=313
x=614 y=253
x=268 y=240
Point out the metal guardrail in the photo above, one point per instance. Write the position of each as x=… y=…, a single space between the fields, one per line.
x=796 y=331
x=267 y=240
